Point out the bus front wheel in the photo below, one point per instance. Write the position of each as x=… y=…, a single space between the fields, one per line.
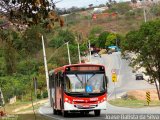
x=64 y=113
x=97 y=112
x=84 y=112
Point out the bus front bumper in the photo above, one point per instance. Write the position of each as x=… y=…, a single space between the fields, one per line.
x=79 y=107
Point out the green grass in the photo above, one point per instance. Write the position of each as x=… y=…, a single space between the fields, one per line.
x=31 y=108
x=132 y=103
x=9 y=108
x=27 y=116
x=32 y=117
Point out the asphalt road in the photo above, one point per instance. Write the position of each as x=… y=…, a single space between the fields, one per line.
x=126 y=78
x=126 y=82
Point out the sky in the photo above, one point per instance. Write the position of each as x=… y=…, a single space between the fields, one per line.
x=78 y=3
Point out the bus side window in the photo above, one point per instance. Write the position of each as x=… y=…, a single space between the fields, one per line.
x=59 y=81
x=52 y=80
x=56 y=80
x=106 y=81
x=68 y=84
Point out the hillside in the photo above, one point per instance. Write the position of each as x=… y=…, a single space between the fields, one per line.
x=83 y=22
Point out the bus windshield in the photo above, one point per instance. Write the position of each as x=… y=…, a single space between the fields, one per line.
x=82 y=83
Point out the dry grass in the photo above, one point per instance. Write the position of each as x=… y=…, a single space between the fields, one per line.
x=141 y=94
x=137 y=99
x=121 y=24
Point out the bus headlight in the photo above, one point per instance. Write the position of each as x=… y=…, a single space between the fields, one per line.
x=66 y=99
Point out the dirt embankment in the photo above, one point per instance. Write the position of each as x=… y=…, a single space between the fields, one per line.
x=141 y=94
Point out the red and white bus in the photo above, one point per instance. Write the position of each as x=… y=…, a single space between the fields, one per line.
x=78 y=88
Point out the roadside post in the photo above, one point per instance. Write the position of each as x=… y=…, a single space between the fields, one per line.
x=148 y=98
x=35 y=86
x=114 y=80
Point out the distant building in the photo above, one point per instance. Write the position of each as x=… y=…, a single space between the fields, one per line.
x=99 y=10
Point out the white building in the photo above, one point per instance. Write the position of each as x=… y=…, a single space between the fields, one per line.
x=99 y=10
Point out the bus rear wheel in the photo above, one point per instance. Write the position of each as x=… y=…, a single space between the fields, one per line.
x=54 y=111
x=64 y=113
x=97 y=112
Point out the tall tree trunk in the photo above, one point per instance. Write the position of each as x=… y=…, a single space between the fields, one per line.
x=158 y=88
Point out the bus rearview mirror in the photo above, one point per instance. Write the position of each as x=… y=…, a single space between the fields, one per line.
x=106 y=79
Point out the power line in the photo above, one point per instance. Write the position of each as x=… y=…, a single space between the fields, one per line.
x=56 y=51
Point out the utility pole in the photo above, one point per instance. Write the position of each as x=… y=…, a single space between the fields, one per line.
x=69 y=58
x=116 y=41
x=89 y=51
x=79 y=53
x=46 y=70
x=1 y=97
x=2 y=102
x=144 y=12
x=35 y=86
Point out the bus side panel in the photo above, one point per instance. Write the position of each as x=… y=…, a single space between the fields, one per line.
x=58 y=98
x=55 y=99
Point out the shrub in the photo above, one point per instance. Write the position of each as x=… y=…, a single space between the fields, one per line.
x=45 y=94
x=39 y=96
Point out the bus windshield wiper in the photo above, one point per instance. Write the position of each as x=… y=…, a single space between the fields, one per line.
x=79 y=79
x=91 y=77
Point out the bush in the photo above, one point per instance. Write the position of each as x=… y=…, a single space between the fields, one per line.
x=130 y=14
x=62 y=37
x=128 y=97
x=45 y=94
x=121 y=8
x=39 y=96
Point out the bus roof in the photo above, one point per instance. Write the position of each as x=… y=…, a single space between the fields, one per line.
x=74 y=65
x=51 y=71
x=83 y=64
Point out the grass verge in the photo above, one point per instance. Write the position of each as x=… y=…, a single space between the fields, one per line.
x=132 y=103
x=26 y=113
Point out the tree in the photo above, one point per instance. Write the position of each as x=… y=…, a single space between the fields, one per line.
x=41 y=83
x=68 y=36
x=145 y=43
x=32 y=39
x=102 y=39
x=7 y=38
x=15 y=85
x=62 y=37
x=111 y=39
x=93 y=35
x=120 y=8
x=30 y=11
x=155 y=9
